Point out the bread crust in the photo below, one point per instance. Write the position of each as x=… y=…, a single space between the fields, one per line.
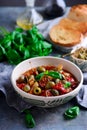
x=64 y=37
x=71 y=30
x=78 y=13
x=72 y=24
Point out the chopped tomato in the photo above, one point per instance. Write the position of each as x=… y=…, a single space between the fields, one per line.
x=43 y=81
x=74 y=84
x=46 y=93
x=58 y=85
x=60 y=88
x=49 y=67
x=70 y=79
x=21 y=85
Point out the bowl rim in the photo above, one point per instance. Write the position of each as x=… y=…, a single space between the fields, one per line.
x=31 y=96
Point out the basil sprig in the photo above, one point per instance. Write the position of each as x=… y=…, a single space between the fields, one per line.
x=53 y=74
x=72 y=112
x=19 y=45
x=29 y=120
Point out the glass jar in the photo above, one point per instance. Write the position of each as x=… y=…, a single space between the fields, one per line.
x=29 y=17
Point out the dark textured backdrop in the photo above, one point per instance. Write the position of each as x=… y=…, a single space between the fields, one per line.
x=38 y=2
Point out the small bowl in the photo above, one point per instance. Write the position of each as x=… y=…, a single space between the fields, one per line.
x=42 y=101
x=81 y=63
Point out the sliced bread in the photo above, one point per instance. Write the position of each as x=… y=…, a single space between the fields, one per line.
x=64 y=36
x=78 y=13
x=72 y=24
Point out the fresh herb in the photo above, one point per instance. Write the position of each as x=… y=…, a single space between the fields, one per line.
x=53 y=74
x=19 y=45
x=39 y=76
x=67 y=84
x=72 y=112
x=29 y=120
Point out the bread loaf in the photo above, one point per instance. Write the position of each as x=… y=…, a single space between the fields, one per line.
x=72 y=24
x=71 y=30
x=78 y=13
x=64 y=36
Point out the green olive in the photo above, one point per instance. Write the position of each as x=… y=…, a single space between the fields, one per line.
x=49 y=84
x=64 y=81
x=41 y=69
x=26 y=88
x=57 y=81
x=37 y=90
x=54 y=92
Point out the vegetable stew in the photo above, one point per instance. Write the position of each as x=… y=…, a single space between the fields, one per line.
x=47 y=81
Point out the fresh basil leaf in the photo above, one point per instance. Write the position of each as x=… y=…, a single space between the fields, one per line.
x=2 y=51
x=26 y=53
x=7 y=41
x=55 y=74
x=26 y=44
x=67 y=84
x=20 y=30
x=72 y=112
x=39 y=76
x=7 y=44
x=46 y=44
x=37 y=33
x=13 y=56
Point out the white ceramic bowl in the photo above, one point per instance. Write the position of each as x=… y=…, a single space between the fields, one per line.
x=42 y=101
x=81 y=63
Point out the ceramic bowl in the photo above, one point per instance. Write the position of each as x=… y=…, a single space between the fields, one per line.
x=81 y=63
x=42 y=101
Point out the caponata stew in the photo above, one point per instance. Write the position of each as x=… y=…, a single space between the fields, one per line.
x=47 y=81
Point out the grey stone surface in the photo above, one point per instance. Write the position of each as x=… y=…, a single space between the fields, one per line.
x=46 y=119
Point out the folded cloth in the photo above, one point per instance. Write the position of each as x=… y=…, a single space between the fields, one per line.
x=82 y=95
x=6 y=87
